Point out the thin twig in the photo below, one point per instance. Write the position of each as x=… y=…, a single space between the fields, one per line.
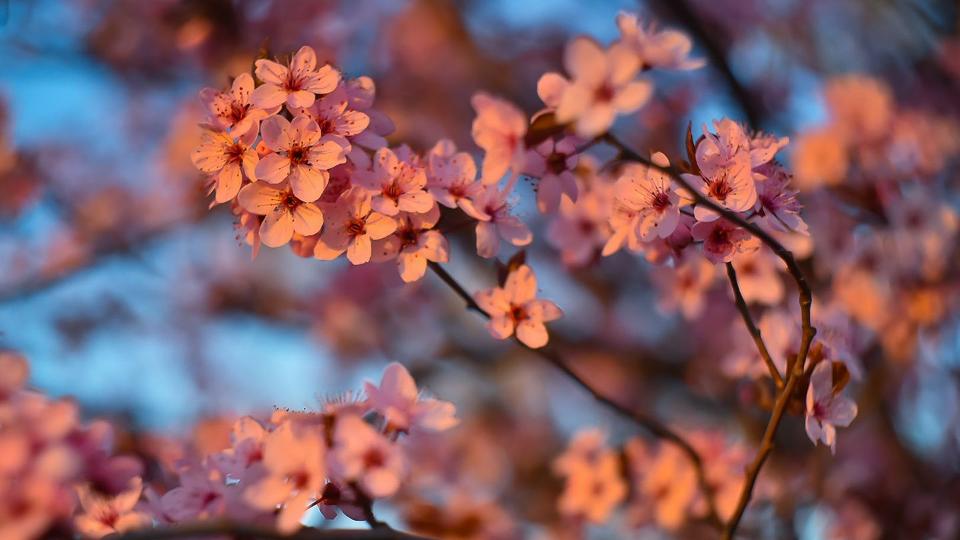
x=752 y=327
x=807 y=330
x=655 y=427
x=253 y=532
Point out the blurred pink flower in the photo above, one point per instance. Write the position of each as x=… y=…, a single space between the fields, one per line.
x=658 y=49
x=363 y=455
x=397 y=399
x=107 y=515
x=490 y=207
x=553 y=162
x=515 y=308
x=498 y=129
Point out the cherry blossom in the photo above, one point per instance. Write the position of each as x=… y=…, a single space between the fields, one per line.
x=301 y=155
x=351 y=226
x=498 y=129
x=227 y=159
x=825 y=408
x=285 y=212
x=725 y=165
x=723 y=240
x=602 y=86
x=233 y=111
x=452 y=176
x=296 y=84
x=397 y=399
x=490 y=207
x=594 y=483
x=396 y=185
x=659 y=49
x=413 y=244
x=779 y=207
x=363 y=455
x=758 y=278
x=553 y=163
x=580 y=229
x=515 y=308
x=646 y=195
x=664 y=484
x=293 y=459
x=200 y=495
x=107 y=515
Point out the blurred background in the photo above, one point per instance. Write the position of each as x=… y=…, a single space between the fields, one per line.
x=124 y=291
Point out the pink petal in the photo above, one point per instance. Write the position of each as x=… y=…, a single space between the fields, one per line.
x=273 y=168
x=308 y=183
x=585 y=61
x=267 y=96
x=277 y=228
x=307 y=219
x=260 y=198
x=270 y=72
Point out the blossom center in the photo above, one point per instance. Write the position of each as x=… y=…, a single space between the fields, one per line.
x=518 y=313
x=373 y=459
x=557 y=163
x=661 y=201
x=604 y=94
x=291 y=201
x=356 y=227
x=298 y=155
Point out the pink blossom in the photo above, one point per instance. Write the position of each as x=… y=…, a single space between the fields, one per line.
x=758 y=278
x=363 y=455
x=779 y=207
x=820 y=157
x=490 y=207
x=296 y=84
x=581 y=228
x=301 y=155
x=451 y=175
x=723 y=240
x=200 y=495
x=107 y=515
x=515 y=308
x=395 y=185
x=602 y=86
x=285 y=212
x=227 y=159
x=825 y=409
x=861 y=106
x=661 y=49
x=293 y=459
x=664 y=484
x=351 y=226
x=594 y=483
x=553 y=163
x=334 y=115
x=413 y=244
x=399 y=402
x=726 y=175
x=14 y=371
x=361 y=93
x=233 y=111
x=498 y=129
x=247 y=439
x=684 y=287
x=647 y=195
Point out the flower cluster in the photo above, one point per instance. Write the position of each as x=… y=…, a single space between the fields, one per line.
x=343 y=457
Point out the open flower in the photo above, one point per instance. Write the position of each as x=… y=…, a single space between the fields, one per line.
x=395 y=186
x=726 y=175
x=227 y=159
x=826 y=409
x=301 y=155
x=662 y=49
x=361 y=454
x=647 y=194
x=602 y=86
x=397 y=399
x=553 y=163
x=413 y=244
x=499 y=129
x=293 y=459
x=779 y=207
x=351 y=226
x=490 y=207
x=515 y=308
x=580 y=228
x=285 y=212
x=296 y=84
x=451 y=175
x=722 y=240
x=107 y=515
x=233 y=111
x=594 y=483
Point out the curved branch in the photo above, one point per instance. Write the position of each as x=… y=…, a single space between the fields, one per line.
x=752 y=327
x=655 y=427
x=254 y=532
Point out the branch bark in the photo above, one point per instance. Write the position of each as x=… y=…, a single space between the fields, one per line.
x=752 y=327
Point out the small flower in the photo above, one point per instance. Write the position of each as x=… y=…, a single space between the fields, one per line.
x=664 y=484
x=398 y=401
x=662 y=49
x=227 y=159
x=648 y=194
x=296 y=84
x=233 y=111
x=758 y=278
x=825 y=409
x=351 y=226
x=684 y=287
x=451 y=175
x=515 y=308
x=580 y=228
x=722 y=240
x=603 y=86
x=285 y=212
x=553 y=163
x=594 y=483
x=413 y=244
x=200 y=495
x=293 y=460
x=490 y=207
x=779 y=207
x=107 y=515
x=498 y=129
x=726 y=175
x=362 y=455
x=395 y=186
x=301 y=155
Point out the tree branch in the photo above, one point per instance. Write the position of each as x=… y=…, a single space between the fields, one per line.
x=253 y=532
x=655 y=427
x=752 y=327
x=807 y=330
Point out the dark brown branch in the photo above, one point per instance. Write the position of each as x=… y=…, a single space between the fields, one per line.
x=253 y=532
x=656 y=428
x=807 y=330
x=752 y=327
